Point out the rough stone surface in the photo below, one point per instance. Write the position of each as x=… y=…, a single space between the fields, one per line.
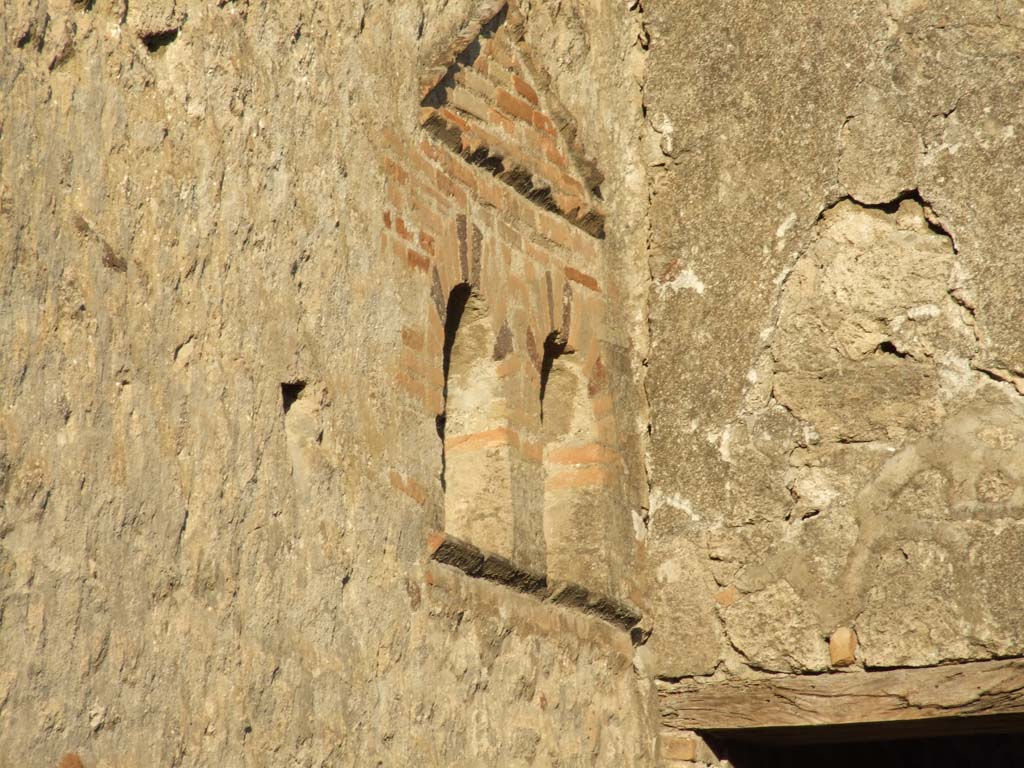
x=210 y=550
x=793 y=231
x=835 y=381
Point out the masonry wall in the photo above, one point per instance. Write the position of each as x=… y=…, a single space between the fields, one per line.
x=222 y=228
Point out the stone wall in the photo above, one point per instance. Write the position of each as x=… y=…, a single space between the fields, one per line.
x=836 y=378
x=377 y=378
x=219 y=459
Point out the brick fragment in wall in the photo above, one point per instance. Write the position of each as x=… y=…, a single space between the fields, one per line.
x=478 y=246
x=503 y=343
x=842 y=647
x=417 y=260
x=582 y=278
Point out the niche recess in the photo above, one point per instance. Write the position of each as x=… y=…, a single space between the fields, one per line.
x=575 y=503
x=929 y=744
x=476 y=460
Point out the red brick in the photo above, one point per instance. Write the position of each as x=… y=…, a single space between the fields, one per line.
x=387 y=219
x=506 y=253
x=435 y=540
x=537 y=253
x=402 y=230
x=395 y=171
x=417 y=261
x=412 y=338
x=393 y=141
x=552 y=152
x=454 y=119
x=582 y=278
x=493 y=193
x=588 y=476
x=678 y=747
x=525 y=211
x=728 y=596
x=508 y=366
x=602 y=405
x=524 y=89
x=427 y=243
x=549 y=171
x=502 y=53
x=542 y=121
x=569 y=203
x=398 y=249
x=510 y=235
x=468 y=101
x=497 y=73
x=532 y=451
x=409 y=487
x=425 y=218
x=427 y=191
x=571 y=183
x=430 y=150
x=419 y=165
x=582 y=454
x=448 y=187
x=518 y=287
x=396 y=196
x=514 y=106
x=495 y=117
x=584 y=245
x=413 y=387
x=488 y=439
x=464 y=173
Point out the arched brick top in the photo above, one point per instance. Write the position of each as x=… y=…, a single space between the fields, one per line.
x=484 y=104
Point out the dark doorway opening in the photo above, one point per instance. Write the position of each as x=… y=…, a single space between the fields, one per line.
x=978 y=742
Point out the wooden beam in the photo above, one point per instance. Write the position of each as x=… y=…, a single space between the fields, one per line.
x=953 y=693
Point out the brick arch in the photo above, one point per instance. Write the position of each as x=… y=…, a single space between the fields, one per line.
x=492 y=198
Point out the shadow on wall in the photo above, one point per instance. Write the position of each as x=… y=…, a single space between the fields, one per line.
x=995 y=750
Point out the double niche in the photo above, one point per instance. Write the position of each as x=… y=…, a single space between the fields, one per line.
x=522 y=468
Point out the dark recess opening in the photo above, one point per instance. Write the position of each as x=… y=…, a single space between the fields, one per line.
x=157 y=40
x=290 y=392
x=456 y=307
x=977 y=742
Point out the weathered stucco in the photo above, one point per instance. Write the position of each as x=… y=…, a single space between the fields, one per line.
x=776 y=243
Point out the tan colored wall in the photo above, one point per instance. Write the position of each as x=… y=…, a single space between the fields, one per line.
x=188 y=574
x=229 y=234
